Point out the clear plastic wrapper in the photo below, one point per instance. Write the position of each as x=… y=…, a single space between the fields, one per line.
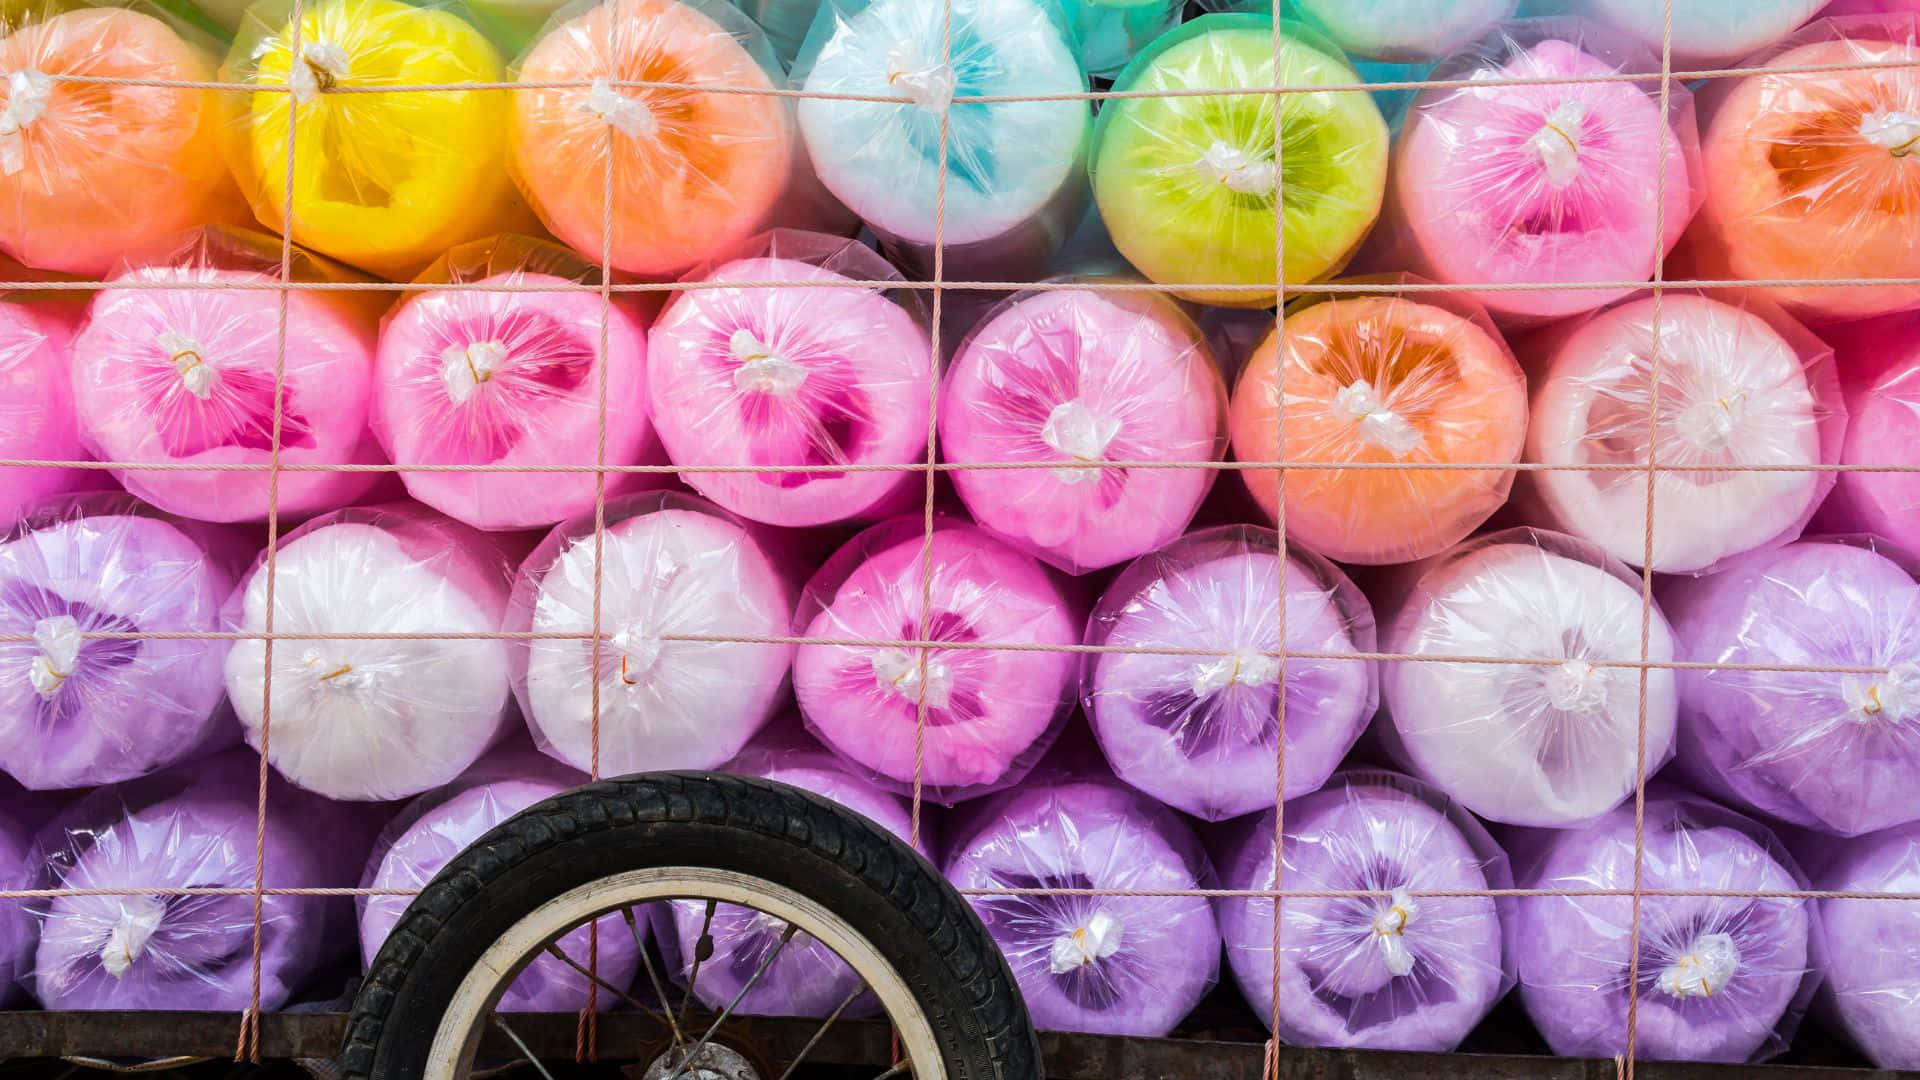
x=785 y=22
x=1081 y=376
x=1015 y=181
x=1879 y=364
x=1107 y=33
x=487 y=377
x=1391 y=972
x=807 y=978
x=990 y=713
x=1832 y=752
x=386 y=182
x=1549 y=740
x=91 y=172
x=693 y=173
x=1807 y=171
x=1201 y=733
x=81 y=711
x=1382 y=380
x=377 y=718
x=1544 y=183
x=818 y=372
x=194 y=827
x=669 y=564
x=1188 y=184
x=1838 y=8
x=186 y=376
x=37 y=416
x=1111 y=965
x=438 y=826
x=1705 y=32
x=1400 y=30
x=1721 y=978
x=1739 y=385
x=1872 y=947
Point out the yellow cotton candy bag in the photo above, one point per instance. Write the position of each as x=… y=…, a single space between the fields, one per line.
x=384 y=181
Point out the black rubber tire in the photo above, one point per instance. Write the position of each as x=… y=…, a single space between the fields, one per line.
x=774 y=832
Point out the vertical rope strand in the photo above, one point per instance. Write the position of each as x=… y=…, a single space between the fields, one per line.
x=1646 y=554
x=1280 y=526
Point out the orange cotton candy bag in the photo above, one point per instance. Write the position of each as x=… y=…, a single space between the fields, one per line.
x=92 y=173
x=1382 y=380
x=693 y=172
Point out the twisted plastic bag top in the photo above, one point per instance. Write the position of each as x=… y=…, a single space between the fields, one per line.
x=1188 y=184
x=486 y=377
x=669 y=564
x=1721 y=978
x=1201 y=733
x=1113 y=965
x=37 y=418
x=375 y=719
x=1080 y=377
x=386 y=182
x=1872 y=947
x=78 y=711
x=1811 y=175
x=1382 y=380
x=1706 y=32
x=187 y=375
x=1006 y=162
x=1551 y=742
x=192 y=827
x=1544 y=183
x=693 y=172
x=1825 y=751
x=990 y=713
x=1398 y=30
x=1739 y=386
x=805 y=978
x=1879 y=365
x=89 y=171
x=820 y=373
x=436 y=827
x=1387 y=972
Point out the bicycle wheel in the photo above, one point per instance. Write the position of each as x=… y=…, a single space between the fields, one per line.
x=617 y=847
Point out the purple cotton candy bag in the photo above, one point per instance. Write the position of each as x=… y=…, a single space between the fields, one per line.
x=1200 y=733
x=1871 y=958
x=1720 y=978
x=1391 y=972
x=1113 y=965
x=192 y=826
x=1833 y=752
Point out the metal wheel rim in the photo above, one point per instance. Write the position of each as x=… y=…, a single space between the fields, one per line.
x=457 y=1039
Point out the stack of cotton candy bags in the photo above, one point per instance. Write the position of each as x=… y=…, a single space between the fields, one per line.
x=76 y=711
x=1389 y=971
x=806 y=978
x=1116 y=965
x=438 y=826
x=194 y=827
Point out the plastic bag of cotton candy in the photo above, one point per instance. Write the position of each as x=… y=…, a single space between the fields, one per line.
x=1725 y=963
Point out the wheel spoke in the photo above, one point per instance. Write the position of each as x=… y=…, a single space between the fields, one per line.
x=653 y=977
x=702 y=950
x=555 y=951
x=521 y=1044
x=900 y=1068
x=774 y=954
x=822 y=1032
